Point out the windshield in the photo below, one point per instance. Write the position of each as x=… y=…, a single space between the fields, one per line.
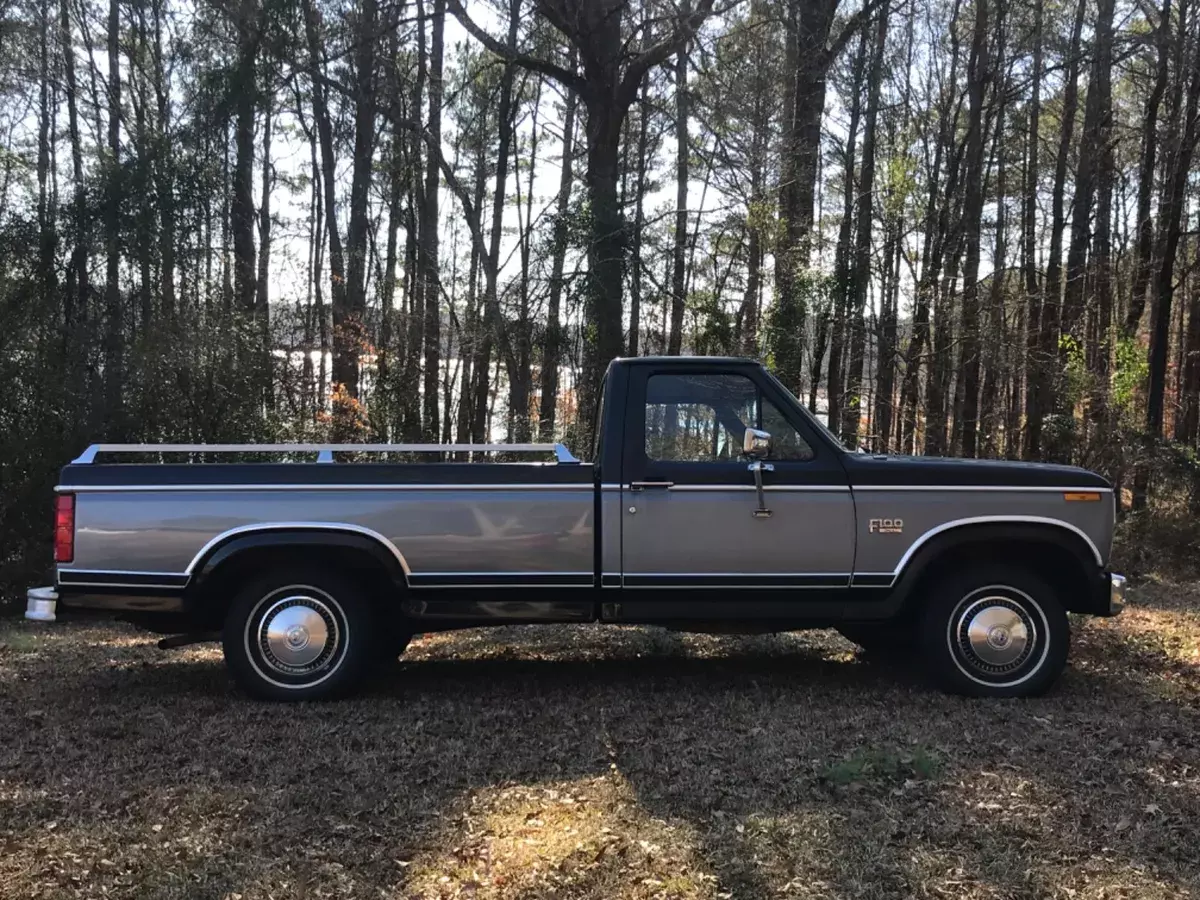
x=833 y=438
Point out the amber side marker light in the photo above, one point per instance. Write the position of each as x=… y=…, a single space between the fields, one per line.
x=1082 y=497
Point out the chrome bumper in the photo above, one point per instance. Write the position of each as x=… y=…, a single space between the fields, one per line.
x=40 y=603
x=1116 y=594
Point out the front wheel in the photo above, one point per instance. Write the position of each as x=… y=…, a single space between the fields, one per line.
x=995 y=632
x=299 y=634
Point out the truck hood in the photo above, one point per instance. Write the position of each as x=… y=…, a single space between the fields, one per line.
x=867 y=469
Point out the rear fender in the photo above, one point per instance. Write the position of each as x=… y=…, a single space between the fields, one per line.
x=227 y=548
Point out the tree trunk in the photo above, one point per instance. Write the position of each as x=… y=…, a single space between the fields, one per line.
x=47 y=225
x=1187 y=425
x=843 y=289
x=1034 y=365
x=520 y=387
x=348 y=320
x=493 y=329
x=429 y=228
x=1181 y=145
x=861 y=277
x=755 y=210
x=75 y=302
x=242 y=212
x=1052 y=301
x=998 y=346
x=1095 y=115
x=1102 y=247
x=475 y=319
x=114 y=340
x=639 y=221
x=934 y=247
x=807 y=61
x=602 y=337
x=1144 y=260
x=262 y=300
x=344 y=369
x=552 y=348
x=977 y=78
x=414 y=273
x=679 y=246
x=165 y=173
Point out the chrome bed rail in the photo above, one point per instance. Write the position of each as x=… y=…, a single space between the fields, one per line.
x=324 y=452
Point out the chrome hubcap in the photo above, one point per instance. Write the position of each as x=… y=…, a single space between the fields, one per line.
x=995 y=635
x=298 y=635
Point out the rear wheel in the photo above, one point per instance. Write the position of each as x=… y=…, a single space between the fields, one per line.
x=995 y=632
x=299 y=634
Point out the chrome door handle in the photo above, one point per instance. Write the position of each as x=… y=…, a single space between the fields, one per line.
x=650 y=485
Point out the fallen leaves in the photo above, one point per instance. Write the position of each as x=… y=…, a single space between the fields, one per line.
x=605 y=763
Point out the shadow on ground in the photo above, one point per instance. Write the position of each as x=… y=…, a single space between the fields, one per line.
x=592 y=762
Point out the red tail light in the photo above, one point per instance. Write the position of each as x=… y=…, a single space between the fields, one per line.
x=64 y=528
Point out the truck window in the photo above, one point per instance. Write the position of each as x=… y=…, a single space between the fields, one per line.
x=702 y=418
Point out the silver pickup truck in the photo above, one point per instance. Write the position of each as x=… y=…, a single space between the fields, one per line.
x=714 y=502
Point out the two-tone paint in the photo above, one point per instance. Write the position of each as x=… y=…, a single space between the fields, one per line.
x=623 y=538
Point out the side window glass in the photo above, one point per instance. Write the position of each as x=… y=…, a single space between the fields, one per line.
x=703 y=418
x=786 y=442
x=698 y=418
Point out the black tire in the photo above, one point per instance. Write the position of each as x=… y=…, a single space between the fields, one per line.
x=299 y=633
x=995 y=631
x=886 y=640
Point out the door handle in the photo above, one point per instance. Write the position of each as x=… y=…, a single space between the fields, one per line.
x=650 y=485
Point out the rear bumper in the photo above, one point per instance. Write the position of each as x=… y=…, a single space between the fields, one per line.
x=41 y=604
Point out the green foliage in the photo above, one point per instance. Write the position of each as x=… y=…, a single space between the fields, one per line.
x=1130 y=372
x=873 y=764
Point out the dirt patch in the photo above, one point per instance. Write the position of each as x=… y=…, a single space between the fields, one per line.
x=605 y=763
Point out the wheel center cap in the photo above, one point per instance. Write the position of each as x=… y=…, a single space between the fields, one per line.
x=998 y=637
x=297 y=637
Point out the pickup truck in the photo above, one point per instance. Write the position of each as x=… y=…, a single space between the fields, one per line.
x=714 y=502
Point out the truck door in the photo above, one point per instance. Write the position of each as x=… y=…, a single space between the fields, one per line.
x=690 y=514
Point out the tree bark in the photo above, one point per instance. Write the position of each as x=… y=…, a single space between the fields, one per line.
x=345 y=352
x=242 y=211
x=552 y=348
x=1048 y=350
x=861 y=273
x=1034 y=365
x=679 y=245
x=977 y=78
x=1181 y=146
x=1147 y=169
x=75 y=301
x=843 y=290
x=428 y=248
x=114 y=340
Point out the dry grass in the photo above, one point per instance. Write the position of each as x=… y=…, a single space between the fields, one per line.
x=603 y=763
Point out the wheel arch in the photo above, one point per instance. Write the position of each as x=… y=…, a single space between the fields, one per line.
x=238 y=554
x=1058 y=552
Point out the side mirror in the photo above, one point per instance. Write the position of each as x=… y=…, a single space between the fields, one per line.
x=756 y=444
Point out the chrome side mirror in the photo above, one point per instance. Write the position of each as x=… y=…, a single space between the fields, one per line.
x=756 y=444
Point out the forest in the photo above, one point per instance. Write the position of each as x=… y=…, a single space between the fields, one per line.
x=956 y=227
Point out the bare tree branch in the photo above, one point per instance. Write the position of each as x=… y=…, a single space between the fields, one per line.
x=685 y=30
x=851 y=27
x=533 y=64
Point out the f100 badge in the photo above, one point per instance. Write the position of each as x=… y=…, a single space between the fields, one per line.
x=886 y=526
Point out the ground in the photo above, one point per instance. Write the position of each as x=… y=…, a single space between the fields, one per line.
x=602 y=763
